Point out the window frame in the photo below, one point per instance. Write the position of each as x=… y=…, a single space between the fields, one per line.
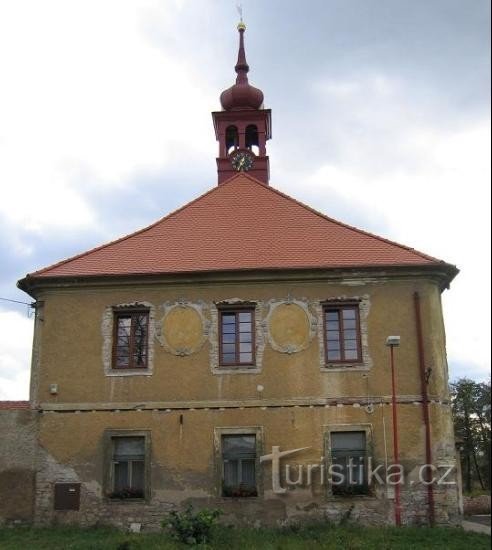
x=108 y=480
x=129 y=312
x=239 y=460
x=337 y=428
x=339 y=306
x=236 y=310
x=256 y=431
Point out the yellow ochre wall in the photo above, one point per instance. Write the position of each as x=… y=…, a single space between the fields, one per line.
x=70 y=343
x=182 y=450
x=187 y=398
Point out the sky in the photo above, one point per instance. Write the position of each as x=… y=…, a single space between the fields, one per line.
x=381 y=118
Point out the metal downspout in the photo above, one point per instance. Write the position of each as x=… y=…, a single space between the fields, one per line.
x=425 y=406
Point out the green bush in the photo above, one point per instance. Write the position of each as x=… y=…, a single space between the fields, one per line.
x=191 y=527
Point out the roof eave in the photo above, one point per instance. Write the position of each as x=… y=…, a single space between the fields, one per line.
x=443 y=272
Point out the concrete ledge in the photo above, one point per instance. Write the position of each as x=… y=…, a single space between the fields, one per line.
x=245 y=403
x=475 y=527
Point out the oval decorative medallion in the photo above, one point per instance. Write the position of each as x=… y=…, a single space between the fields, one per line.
x=289 y=327
x=182 y=330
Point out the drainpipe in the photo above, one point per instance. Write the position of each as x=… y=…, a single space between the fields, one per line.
x=396 y=451
x=425 y=407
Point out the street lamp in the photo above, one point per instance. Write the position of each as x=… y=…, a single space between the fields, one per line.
x=393 y=342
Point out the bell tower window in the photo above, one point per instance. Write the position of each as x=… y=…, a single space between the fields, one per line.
x=252 y=142
x=232 y=139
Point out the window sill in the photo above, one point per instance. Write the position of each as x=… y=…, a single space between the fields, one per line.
x=230 y=369
x=337 y=498
x=123 y=501
x=344 y=367
x=129 y=372
x=228 y=499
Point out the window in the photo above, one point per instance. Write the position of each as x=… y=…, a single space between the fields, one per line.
x=130 y=340
x=236 y=339
x=128 y=467
x=348 y=460
x=239 y=465
x=342 y=333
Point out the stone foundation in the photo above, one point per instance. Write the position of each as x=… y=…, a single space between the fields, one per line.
x=253 y=512
x=17 y=465
x=40 y=449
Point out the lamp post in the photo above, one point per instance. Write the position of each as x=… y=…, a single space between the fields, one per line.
x=393 y=342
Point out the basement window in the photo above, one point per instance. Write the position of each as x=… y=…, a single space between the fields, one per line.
x=128 y=465
x=239 y=465
x=342 y=333
x=349 y=463
x=236 y=337
x=130 y=339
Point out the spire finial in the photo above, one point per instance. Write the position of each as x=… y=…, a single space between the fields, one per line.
x=240 y=26
x=242 y=66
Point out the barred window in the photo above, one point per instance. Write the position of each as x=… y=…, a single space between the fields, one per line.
x=130 y=340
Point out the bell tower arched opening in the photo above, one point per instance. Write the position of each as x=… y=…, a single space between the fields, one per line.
x=251 y=139
x=231 y=139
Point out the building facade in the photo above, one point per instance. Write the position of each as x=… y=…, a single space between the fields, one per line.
x=177 y=364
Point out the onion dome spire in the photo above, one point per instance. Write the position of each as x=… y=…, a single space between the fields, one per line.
x=242 y=67
x=241 y=96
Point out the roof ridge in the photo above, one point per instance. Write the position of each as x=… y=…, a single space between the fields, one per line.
x=245 y=176
x=338 y=222
x=346 y=225
x=129 y=235
x=139 y=231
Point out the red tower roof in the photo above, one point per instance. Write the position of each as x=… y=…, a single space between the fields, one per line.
x=239 y=225
x=241 y=95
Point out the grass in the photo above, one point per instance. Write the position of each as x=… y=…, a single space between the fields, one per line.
x=306 y=538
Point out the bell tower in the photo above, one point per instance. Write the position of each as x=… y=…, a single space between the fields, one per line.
x=243 y=126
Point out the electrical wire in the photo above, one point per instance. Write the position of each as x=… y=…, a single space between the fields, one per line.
x=16 y=301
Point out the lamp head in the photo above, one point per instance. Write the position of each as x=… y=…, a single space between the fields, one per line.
x=393 y=341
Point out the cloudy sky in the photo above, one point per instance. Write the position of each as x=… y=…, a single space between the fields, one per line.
x=381 y=118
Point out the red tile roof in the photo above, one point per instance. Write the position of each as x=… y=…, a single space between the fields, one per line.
x=241 y=224
x=9 y=405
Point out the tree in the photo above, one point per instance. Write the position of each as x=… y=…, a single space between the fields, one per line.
x=471 y=412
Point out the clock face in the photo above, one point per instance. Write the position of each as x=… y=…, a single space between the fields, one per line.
x=242 y=161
